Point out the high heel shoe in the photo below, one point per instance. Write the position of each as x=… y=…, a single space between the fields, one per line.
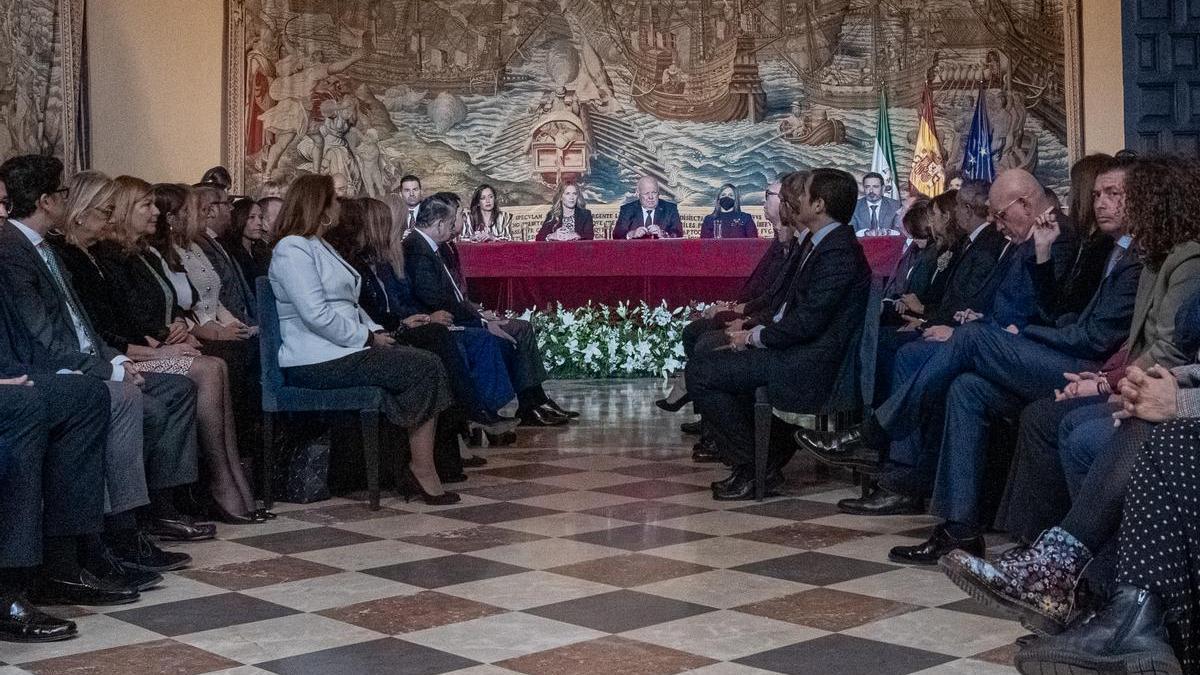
x=218 y=512
x=676 y=405
x=411 y=487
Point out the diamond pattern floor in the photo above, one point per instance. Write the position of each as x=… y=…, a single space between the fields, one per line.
x=588 y=549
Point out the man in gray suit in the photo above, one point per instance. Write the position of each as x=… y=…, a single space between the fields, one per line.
x=875 y=215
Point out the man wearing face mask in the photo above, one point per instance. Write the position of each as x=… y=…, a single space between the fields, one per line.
x=649 y=217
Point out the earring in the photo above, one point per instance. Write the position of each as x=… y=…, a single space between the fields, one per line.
x=326 y=222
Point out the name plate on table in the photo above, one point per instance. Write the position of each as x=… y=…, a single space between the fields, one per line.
x=527 y=220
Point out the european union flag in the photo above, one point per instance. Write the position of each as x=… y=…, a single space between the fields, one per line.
x=977 y=158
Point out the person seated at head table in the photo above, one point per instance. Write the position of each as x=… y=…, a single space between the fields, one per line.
x=727 y=220
x=568 y=219
x=875 y=215
x=649 y=217
x=485 y=221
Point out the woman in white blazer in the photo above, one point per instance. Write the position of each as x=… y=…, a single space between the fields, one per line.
x=331 y=343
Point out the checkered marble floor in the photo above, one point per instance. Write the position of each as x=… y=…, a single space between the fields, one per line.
x=590 y=549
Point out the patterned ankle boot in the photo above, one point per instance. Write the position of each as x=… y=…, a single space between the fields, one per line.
x=1036 y=583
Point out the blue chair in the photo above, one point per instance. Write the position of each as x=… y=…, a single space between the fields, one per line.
x=277 y=398
x=851 y=392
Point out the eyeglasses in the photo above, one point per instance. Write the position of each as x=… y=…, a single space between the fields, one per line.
x=1002 y=214
x=772 y=194
x=62 y=190
x=106 y=212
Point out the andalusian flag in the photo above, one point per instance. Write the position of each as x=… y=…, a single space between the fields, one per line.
x=884 y=160
x=928 y=174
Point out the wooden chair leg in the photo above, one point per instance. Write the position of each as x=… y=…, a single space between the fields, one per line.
x=762 y=443
x=369 y=420
x=268 y=459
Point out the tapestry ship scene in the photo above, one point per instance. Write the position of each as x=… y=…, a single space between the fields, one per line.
x=526 y=94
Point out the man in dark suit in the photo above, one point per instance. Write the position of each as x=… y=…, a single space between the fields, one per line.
x=649 y=217
x=44 y=323
x=1008 y=297
x=52 y=431
x=806 y=340
x=216 y=210
x=966 y=285
x=988 y=371
x=874 y=214
x=436 y=289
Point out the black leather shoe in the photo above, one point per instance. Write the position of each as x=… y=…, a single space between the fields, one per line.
x=112 y=570
x=474 y=461
x=82 y=588
x=839 y=448
x=493 y=423
x=181 y=528
x=691 y=428
x=551 y=404
x=882 y=502
x=741 y=488
x=938 y=545
x=1127 y=636
x=725 y=482
x=144 y=555
x=460 y=478
x=705 y=451
x=20 y=621
x=501 y=440
x=542 y=416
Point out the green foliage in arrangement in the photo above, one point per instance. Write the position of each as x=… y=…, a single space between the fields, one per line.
x=602 y=341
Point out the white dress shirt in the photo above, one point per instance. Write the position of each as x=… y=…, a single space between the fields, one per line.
x=85 y=341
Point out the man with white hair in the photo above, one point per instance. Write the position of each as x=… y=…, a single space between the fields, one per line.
x=649 y=217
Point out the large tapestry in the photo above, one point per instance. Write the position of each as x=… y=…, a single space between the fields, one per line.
x=525 y=94
x=41 y=109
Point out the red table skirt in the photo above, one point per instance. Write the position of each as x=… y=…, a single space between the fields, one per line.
x=522 y=275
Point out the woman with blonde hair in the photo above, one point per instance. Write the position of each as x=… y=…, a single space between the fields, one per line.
x=568 y=219
x=166 y=454
x=146 y=313
x=329 y=341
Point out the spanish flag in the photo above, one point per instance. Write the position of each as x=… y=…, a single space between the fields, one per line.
x=928 y=173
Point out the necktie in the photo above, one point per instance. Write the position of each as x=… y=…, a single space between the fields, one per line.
x=805 y=249
x=80 y=319
x=875 y=217
x=412 y=217
x=649 y=220
x=457 y=291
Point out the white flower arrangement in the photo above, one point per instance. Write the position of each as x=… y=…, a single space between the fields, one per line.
x=602 y=341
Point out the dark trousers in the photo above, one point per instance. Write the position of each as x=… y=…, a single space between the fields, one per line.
x=437 y=339
x=169 y=430
x=1036 y=496
x=984 y=373
x=722 y=386
x=524 y=363
x=891 y=339
x=52 y=439
x=1022 y=366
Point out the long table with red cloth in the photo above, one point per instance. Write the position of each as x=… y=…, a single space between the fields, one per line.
x=522 y=275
